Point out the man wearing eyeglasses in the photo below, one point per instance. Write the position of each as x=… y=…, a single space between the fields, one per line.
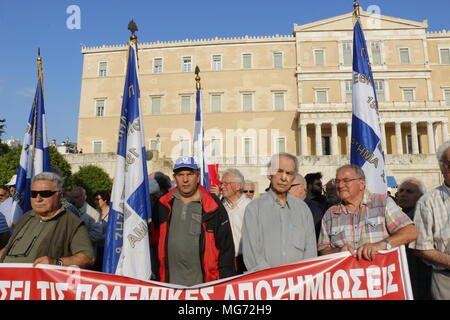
x=235 y=203
x=48 y=234
x=432 y=218
x=278 y=229
x=363 y=223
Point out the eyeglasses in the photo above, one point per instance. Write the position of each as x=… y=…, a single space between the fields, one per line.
x=346 y=180
x=43 y=193
x=248 y=191
x=226 y=183
x=2 y=194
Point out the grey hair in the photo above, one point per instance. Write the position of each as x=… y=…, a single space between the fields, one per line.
x=419 y=183
x=301 y=179
x=272 y=170
x=249 y=182
x=359 y=172
x=440 y=151
x=238 y=176
x=50 y=176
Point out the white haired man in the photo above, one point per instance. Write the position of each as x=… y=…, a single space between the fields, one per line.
x=433 y=224
x=235 y=202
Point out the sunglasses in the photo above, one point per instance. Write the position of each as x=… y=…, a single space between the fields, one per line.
x=43 y=193
x=249 y=191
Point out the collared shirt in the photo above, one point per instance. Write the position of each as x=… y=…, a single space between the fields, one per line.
x=183 y=244
x=377 y=217
x=432 y=219
x=275 y=234
x=236 y=215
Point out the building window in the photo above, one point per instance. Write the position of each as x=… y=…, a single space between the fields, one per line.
x=247 y=149
x=216 y=148
x=99 y=108
x=246 y=60
x=216 y=63
x=326 y=148
x=97 y=146
x=153 y=144
x=445 y=55
x=447 y=97
x=102 y=69
x=379 y=90
x=409 y=143
x=348 y=90
x=247 y=102
x=157 y=65
x=278 y=101
x=185 y=104
x=216 y=103
x=319 y=57
x=187 y=64
x=408 y=95
x=376 y=52
x=156 y=105
x=404 y=56
x=347 y=52
x=280 y=144
x=278 y=60
x=322 y=96
x=185 y=148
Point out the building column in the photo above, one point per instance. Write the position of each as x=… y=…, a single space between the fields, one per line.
x=334 y=139
x=304 y=139
x=415 y=141
x=349 y=138
x=444 y=131
x=430 y=134
x=383 y=137
x=318 y=139
x=398 y=138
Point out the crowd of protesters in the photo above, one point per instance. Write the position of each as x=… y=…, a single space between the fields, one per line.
x=198 y=236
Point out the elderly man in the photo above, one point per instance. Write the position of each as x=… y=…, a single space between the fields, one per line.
x=409 y=192
x=433 y=223
x=363 y=223
x=298 y=189
x=79 y=197
x=195 y=243
x=235 y=203
x=278 y=228
x=48 y=234
x=249 y=189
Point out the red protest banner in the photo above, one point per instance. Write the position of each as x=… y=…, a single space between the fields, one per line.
x=332 y=277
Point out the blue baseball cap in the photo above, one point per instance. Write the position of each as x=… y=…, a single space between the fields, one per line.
x=185 y=162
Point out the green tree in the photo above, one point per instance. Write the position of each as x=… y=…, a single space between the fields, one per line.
x=4 y=149
x=92 y=178
x=9 y=164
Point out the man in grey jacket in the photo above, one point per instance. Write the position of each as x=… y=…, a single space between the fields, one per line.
x=278 y=228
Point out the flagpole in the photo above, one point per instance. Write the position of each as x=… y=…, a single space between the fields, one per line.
x=35 y=111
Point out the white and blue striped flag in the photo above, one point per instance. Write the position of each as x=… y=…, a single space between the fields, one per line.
x=199 y=144
x=127 y=247
x=35 y=156
x=366 y=141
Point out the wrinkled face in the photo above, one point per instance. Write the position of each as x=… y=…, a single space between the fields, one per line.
x=444 y=164
x=408 y=194
x=44 y=204
x=348 y=185
x=249 y=190
x=187 y=181
x=283 y=175
x=229 y=187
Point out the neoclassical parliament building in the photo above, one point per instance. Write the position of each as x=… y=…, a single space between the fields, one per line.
x=266 y=94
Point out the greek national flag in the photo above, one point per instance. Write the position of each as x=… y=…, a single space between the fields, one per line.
x=199 y=144
x=35 y=157
x=127 y=247
x=366 y=144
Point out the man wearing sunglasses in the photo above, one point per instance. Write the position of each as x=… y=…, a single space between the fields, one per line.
x=249 y=189
x=48 y=234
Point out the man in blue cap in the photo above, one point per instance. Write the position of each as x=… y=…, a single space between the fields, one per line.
x=195 y=242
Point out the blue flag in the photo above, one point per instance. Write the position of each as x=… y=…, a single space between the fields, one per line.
x=35 y=156
x=199 y=144
x=366 y=144
x=127 y=247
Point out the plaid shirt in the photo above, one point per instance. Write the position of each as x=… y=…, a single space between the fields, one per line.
x=377 y=217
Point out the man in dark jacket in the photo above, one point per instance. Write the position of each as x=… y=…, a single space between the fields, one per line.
x=195 y=243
